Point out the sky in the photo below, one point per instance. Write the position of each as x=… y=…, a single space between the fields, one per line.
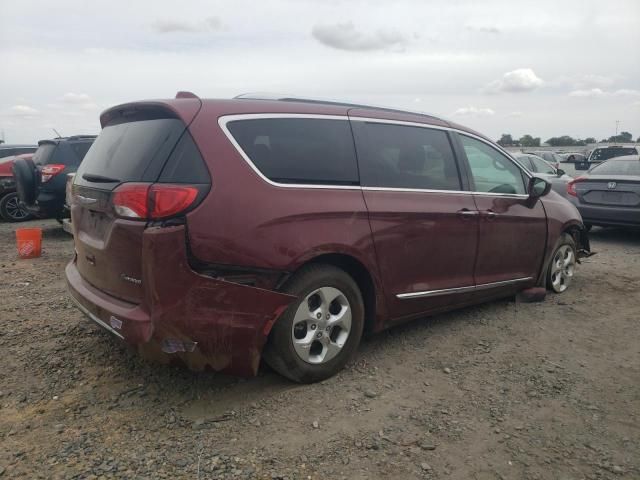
x=545 y=68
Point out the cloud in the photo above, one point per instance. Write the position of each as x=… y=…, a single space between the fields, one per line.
x=472 y=111
x=23 y=111
x=483 y=29
x=516 y=81
x=344 y=36
x=209 y=24
x=598 y=92
x=592 y=92
x=71 y=97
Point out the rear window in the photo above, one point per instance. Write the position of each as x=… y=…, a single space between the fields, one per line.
x=299 y=150
x=44 y=153
x=132 y=151
x=617 y=167
x=610 y=152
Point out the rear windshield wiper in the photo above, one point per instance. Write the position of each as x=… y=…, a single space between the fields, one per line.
x=90 y=177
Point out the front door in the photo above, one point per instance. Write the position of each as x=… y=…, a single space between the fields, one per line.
x=424 y=223
x=512 y=229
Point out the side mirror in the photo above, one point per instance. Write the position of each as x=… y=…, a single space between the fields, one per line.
x=584 y=165
x=538 y=187
x=560 y=172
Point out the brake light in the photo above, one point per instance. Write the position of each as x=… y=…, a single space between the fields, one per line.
x=130 y=200
x=50 y=171
x=144 y=201
x=571 y=186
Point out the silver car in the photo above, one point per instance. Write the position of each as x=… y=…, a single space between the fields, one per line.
x=540 y=168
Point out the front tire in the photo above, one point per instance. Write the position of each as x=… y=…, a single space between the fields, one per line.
x=562 y=266
x=318 y=333
x=10 y=209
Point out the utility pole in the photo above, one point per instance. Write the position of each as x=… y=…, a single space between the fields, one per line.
x=617 y=124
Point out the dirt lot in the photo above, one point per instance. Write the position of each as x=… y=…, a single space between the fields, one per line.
x=500 y=391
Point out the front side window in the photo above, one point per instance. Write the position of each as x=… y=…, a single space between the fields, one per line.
x=492 y=171
x=299 y=150
x=399 y=156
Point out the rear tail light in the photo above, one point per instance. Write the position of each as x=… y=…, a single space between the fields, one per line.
x=50 y=171
x=571 y=186
x=151 y=202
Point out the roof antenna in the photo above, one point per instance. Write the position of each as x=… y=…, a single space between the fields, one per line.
x=57 y=133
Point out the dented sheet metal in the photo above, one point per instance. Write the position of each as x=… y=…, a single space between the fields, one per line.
x=206 y=322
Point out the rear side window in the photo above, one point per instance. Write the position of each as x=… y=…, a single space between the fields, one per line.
x=81 y=149
x=132 y=151
x=398 y=156
x=540 y=166
x=299 y=150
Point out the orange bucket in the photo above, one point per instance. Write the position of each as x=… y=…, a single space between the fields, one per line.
x=29 y=241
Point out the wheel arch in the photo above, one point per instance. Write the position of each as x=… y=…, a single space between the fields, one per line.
x=361 y=275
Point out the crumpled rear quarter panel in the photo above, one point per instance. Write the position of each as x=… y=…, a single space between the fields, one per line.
x=229 y=322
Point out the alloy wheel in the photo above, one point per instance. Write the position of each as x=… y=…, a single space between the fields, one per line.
x=14 y=211
x=321 y=325
x=562 y=268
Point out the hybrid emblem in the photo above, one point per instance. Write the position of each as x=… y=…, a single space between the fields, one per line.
x=611 y=185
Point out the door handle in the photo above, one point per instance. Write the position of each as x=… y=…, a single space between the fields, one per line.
x=466 y=213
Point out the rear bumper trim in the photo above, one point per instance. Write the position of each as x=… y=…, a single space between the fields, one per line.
x=93 y=317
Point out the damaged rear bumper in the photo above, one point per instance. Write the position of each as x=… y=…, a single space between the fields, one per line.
x=204 y=322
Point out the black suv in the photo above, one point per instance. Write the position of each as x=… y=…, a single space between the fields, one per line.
x=41 y=182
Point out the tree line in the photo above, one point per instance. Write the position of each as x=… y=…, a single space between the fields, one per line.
x=506 y=140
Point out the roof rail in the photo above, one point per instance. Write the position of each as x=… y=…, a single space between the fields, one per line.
x=291 y=98
x=81 y=137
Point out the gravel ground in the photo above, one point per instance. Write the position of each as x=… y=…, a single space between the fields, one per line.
x=505 y=390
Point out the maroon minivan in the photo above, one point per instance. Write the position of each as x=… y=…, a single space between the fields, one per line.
x=221 y=232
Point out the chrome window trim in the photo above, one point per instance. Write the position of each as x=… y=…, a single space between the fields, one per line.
x=470 y=288
x=225 y=119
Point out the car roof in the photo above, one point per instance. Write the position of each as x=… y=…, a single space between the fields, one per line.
x=17 y=145
x=73 y=138
x=262 y=103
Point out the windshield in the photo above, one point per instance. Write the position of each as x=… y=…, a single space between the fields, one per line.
x=540 y=166
x=618 y=167
x=610 y=152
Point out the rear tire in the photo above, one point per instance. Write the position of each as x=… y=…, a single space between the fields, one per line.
x=318 y=333
x=10 y=209
x=562 y=266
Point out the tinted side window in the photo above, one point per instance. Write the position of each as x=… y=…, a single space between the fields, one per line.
x=398 y=156
x=299 y=150
x=491 y=170
x=540 y=166
x=81 y=149
x=185 y=164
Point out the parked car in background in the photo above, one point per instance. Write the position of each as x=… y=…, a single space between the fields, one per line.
x=219 y=232
x=9 y=150
x=601 y=154
x=609 y=193
x=41 y=181
x=553 y=158
x=557 y=177
x=10 y=209
x=573 y=157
